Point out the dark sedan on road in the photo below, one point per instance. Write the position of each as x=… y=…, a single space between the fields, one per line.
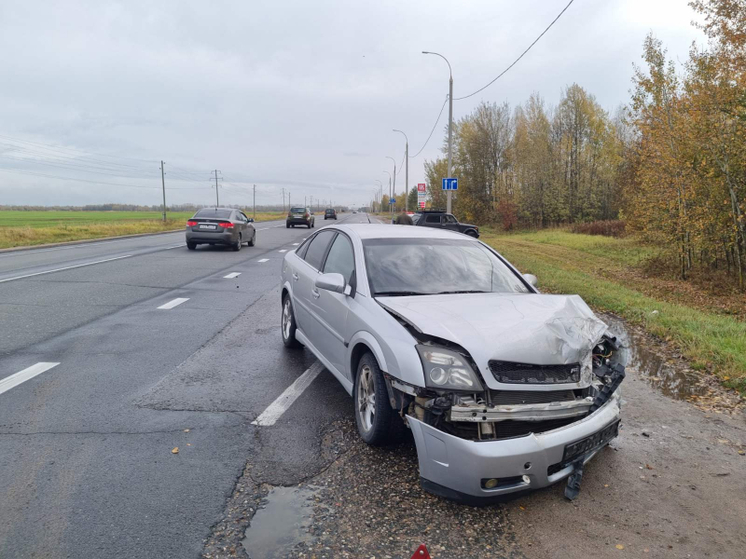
x=220 y=226
x=330 y=213
x=300 y=216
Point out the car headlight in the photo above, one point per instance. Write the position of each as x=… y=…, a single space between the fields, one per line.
x=446 y=369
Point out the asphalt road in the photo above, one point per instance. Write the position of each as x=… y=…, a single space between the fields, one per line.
x=86 y=461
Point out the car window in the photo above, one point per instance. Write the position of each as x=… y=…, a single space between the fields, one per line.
x=317 y=248
x=449 y=219
x=298 y=210
x=239 y=217
x=243 y=216
x=429 y=266
x=214 y=213
x=432 y=219
x=341 y=259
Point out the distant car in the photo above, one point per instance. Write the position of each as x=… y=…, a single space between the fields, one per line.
x=330 y=213
x=444 y=220
x=354 y=211
x=220 y=226
x=300 y=216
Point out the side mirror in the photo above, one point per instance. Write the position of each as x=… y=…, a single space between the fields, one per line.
x=251 y=220
x=331 y=282
x=532 y=279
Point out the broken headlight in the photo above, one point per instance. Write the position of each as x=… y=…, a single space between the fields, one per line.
x=446 y=369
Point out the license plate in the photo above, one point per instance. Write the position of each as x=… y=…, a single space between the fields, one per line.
x=586 y=445
x=208 y=226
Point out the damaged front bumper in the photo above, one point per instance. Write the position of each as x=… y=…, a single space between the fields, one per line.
x=457 y=468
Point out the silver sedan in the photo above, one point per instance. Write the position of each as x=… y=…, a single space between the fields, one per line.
x=504 y=388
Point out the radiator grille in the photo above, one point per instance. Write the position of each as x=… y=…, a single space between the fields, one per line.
x=525 y=373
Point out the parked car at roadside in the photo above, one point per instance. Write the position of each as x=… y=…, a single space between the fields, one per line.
x=505 y=389
x=300 y=216
x=444 y=220
x=330 y=213
x=220 y=226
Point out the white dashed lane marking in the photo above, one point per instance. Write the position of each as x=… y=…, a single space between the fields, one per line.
x=295 y=244
x=22 y=376
x=275 y=410
x=232 y=275
x=174 y=303
x=263 y=260
x=283 y=250
x=65 y=268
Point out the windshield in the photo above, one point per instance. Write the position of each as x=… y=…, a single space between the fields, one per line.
x=298 y=210
x=434 y=266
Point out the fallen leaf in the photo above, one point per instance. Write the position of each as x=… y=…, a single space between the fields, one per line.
x=619 y=546
x=648 y=466
x=175 y=450
x=606 y=484
x=520 y=507
x=742 y=452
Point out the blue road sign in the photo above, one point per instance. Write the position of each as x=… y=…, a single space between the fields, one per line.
x=392 y=201
x=450 y=184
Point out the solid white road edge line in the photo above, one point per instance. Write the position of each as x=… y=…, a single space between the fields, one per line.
x=174 y=303
x=65 y=268
x=22 y=376
x=263 y=260
x=232 y=275
x=275 y=410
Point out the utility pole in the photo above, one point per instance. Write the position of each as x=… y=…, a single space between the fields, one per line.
x=217 y=194
x=254 y=216
x=449 y=193
x=305 y=201
x=283 y=199
x=163 y=182
x=406 y=171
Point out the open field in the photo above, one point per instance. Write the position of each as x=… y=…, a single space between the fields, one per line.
x=609 y=274
x=27 y=228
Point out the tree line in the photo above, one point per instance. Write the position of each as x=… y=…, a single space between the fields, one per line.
x=671 y=163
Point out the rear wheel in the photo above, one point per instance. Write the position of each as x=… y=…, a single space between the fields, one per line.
x=288 y=324
x=287 y=225
x=191 y=245
x=377 y=422
x=239 y=243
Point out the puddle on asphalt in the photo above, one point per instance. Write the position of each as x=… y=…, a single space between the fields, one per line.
x=653 y=368
x=281 y=524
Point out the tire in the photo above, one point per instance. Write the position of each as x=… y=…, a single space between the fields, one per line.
x=377 y=423
x=287 y=324
x=191 y=245
x=287 y=225
x=252 y=242
x=471 y=233
x=239 y=243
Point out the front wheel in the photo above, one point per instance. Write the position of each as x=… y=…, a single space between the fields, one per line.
x=377 y=422
x=288 y=325
x=252 y=242
x=287 y=225
x=472 y=233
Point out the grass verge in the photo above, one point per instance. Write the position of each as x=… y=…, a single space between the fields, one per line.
x=36 y=228
x=602 y=271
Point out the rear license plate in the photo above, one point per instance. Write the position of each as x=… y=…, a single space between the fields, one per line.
x=208 y=226
x=584 y=446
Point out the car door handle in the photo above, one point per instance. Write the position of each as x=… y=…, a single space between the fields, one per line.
x=295 y=276
x=315 y=293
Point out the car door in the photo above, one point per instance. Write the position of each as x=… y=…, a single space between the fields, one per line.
x=431 y=220
x=330 y=309
x=248 y=226
x=304 y=280
x=451 y=223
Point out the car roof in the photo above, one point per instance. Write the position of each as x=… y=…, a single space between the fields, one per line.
x=375 y=231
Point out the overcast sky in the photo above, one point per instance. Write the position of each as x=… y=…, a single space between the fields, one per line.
x=301 y=95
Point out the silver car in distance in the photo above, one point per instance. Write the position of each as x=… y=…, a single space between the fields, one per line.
x=505 y=389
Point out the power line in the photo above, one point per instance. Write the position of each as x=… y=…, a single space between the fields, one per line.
x=517 y=59
x=433 y=130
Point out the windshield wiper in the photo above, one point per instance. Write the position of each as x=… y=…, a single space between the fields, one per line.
x=461 y=291
x=399 y=293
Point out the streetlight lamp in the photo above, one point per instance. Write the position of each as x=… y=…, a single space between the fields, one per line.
x=450 y=122
x=406 y=171
x=394 y=190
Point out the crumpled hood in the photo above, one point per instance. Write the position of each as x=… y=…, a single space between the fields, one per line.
x=521 y=328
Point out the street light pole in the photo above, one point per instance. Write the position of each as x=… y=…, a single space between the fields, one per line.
x=406 y=171
x=380 y=197
x=450 y=124
x=394 y=190
x=389 y=174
